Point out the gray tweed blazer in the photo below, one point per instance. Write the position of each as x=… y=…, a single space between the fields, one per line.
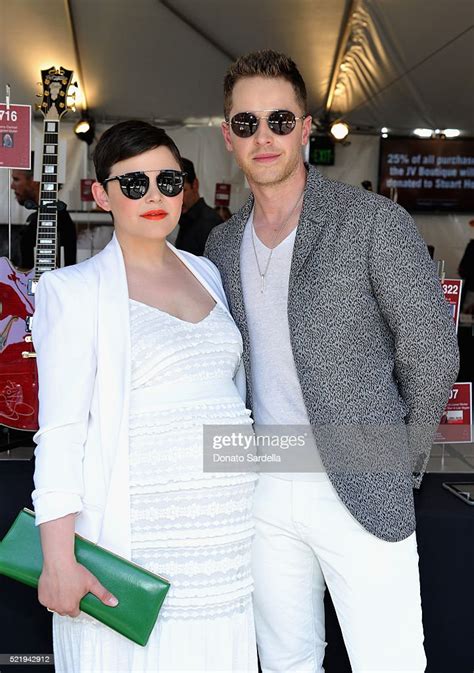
x=373 y=342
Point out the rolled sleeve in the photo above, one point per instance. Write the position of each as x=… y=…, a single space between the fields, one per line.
x=54 y=505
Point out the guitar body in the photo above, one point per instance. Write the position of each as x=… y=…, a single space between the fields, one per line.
x=18 y=373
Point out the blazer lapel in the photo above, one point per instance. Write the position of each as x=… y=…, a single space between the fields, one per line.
x=234 y=281
x=234 y=242
x=310 y=225
x=114 y=393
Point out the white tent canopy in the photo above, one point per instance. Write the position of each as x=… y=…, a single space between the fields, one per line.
x=402 y=63
x=396 y=63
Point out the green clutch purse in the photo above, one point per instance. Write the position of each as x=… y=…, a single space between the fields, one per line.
x=140 y=592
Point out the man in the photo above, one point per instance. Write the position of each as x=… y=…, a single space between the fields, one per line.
x=197 y=218
x=27 y=194
x=345 y=328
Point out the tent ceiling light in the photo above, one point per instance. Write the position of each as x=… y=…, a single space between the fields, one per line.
x=437 y=133
x=384 y=129
x=339 y=130
x=451 y=133
x=423 y=133
x=85 y=129
x=82 y=126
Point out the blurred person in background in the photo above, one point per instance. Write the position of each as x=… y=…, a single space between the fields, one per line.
x=223 y=212
x=27 y=194
x=197 y=218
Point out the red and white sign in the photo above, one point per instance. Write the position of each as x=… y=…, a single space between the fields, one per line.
x=452 y=294
x=456 y=422
x=222 y=197
x=15 y=136
x=86 y=189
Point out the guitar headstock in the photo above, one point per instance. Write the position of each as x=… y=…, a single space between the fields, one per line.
x=56 y=83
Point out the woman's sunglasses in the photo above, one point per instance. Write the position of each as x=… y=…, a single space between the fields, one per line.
x=135 y=185
x=281 y=122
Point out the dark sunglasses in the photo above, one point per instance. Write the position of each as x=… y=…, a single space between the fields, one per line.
x=135 y=185
x=281 y=122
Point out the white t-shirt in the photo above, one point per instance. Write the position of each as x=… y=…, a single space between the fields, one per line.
x=276 y=391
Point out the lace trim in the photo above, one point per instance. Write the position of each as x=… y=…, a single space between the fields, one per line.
x=189 y=596
x=199 y=554
x=201 y=537
x=211 y=583
x=204 y=412
x=239 y=507
x=235 y=607
x=190 y=483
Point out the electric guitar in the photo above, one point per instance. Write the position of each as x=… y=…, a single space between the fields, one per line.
x=18 y=373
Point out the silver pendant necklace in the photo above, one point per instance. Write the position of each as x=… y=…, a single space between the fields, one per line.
x=279 y=231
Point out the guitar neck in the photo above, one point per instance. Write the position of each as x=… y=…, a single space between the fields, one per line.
x=47 y=230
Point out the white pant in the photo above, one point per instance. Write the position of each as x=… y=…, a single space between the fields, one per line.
x=306 y=539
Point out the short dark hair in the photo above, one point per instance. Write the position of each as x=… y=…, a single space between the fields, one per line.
x=27 y=172
x=188 y=168
x=265 y=63
x=126 y=140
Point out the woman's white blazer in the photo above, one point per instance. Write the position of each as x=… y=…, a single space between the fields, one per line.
x=81 y=333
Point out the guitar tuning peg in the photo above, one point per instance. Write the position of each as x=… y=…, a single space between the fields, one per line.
x=72 y=107
x=75 y=84
x=37 y=106
x=39 y=95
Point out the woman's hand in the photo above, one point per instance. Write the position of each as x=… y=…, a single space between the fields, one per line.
x=64 y=581
x=62 y=586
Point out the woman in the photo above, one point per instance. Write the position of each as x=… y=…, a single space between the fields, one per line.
x=136 y=351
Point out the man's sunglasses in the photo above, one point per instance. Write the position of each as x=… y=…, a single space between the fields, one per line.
x=135 y=185
x=281 y=122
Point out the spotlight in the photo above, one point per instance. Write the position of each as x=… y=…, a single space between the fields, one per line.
x=451 y=133
x=85 y=129
x=423 y=133
x=339 y=130
x=384 y=129
x=82 y=127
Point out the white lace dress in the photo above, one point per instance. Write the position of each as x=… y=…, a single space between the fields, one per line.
x=192 y=527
